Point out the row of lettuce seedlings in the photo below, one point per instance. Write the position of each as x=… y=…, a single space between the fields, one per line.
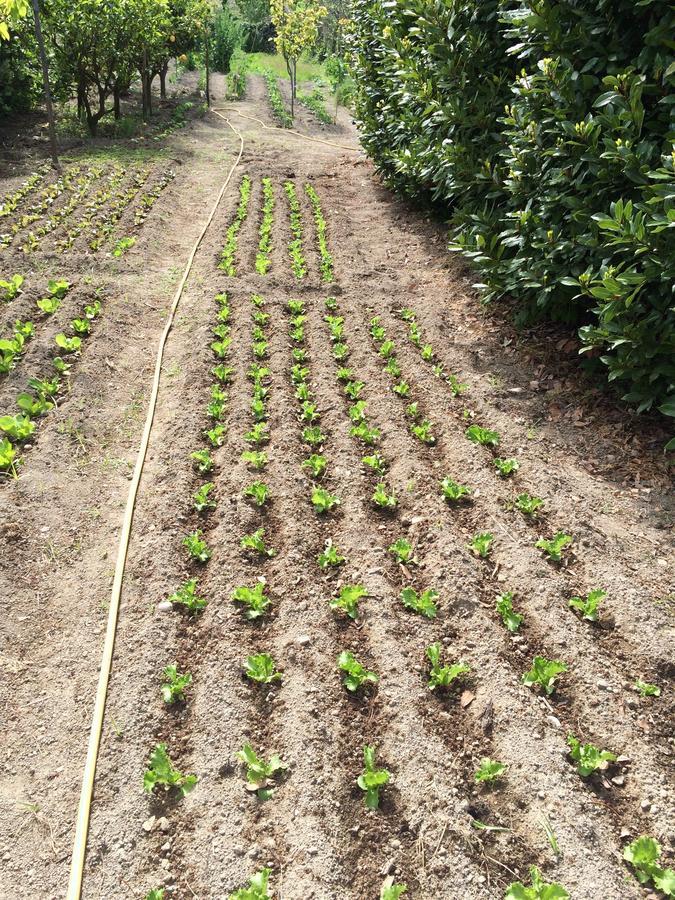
x=263 y=259
x=588 y=759
x=43 y=391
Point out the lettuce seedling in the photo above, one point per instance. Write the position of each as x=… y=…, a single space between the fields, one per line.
x=527 y=504
x=544 y=673
x=33 y=406
x=257 y=300
x=402 y=551
x=61 y=366
x=481 y=544
x=296 y=307
x=216 y=435
x=81 y=326
x=216 y=410
x=11 y=289
x=187 y=596
x=258 y=410
x=197 y=547
x=482 y=436
x=44 y=387
x=48 y=305
x=454 y=492
x=262 y=668
x=316 y=463
x=323 y=501
x=313 y=436
x=331 y=303
x=375 y=462
x=222 y=373
x=553 y=548
x=423 y=603
x=68 y=345
x=489 y=770
x=383 y=499
x=155 y=894
x=299 y=355
x=259 y=774
x=588 y=606
x=372 y=779
x=510 y=618
x=412 y=410
x=175 y=685
x=647 y=690
x=540 y=890
x=201 y=500
x=309 y=412
x=344 y=374
x=387 y=349
x=302 y=392
x=257 y=889
x=377 y=333
x=160 y=771
x=341 y=352
x=256 y=459
x=58 y=288
x=18 y=427
x=402 y=388
x=357 y=411
x=353 y=389
x=348 y=599
x=202 y=461
x=254 y=600
x=423 y=432
x=221 y=348
x=644 y=855
x=427 y=353
x=258 y=492
x=391 y=891
x=355 y=674
x=442 y=676
x=8 y=460
x=392 y=368
x=588 y=757
x=258 y=434
x=256 y=541
x=329 y=556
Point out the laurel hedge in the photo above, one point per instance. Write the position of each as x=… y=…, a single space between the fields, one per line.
x=546 y=129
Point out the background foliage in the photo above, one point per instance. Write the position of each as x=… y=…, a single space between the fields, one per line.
x=547 y=130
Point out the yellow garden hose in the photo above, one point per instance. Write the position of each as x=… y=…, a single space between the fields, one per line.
x=82 y=825
x=299 y=134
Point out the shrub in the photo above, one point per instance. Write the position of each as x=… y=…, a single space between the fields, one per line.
x=547 y=135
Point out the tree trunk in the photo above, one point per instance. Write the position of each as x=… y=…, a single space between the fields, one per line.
x=116 y=100
x=294 y=70
x=149 y=77
x=162 y=80
x=144 y=84
x=45 y=85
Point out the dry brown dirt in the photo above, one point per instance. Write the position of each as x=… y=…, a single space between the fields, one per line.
x=600 y=471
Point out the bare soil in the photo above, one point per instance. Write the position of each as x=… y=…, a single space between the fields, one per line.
x=600 y=470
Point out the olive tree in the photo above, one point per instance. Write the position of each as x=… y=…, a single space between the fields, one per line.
x=297 y=28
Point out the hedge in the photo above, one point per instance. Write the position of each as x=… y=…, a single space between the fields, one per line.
x=546 y=129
